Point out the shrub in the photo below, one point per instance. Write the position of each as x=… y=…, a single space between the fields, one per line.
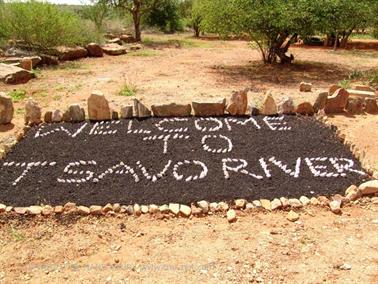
x=42 y=25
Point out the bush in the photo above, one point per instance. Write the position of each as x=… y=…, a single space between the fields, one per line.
x=43 y=25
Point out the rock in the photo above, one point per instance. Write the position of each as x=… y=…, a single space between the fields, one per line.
x=254 y=110
x=144 y=209
x=371 y=106
x=324 y=201
x=6 y=109
x=47 y=117
x=58 y=209
x=135 y=47
x=333 y=88
x=209 y=108
x=238 y=103
x=369 y=187
x=256 y=203
x=249 y=206
x=137 y=210
x=153 y=209
x=164 y=208
x=351 y=189
x=320 y=101
x=70 y=207
x=362 y=88
x=295 y=203
x=115 y=115
x=127 y=38
x=276 y=204
x=117 y=207
x=304 y=200
x=66 y=116
x=98 y=107
x=213 y=207
x=35 y=60
x=116 y=40
x=95 y=210
x=314 y=201
x=231 y=216
x=337 y=102
x=83 y=210
x=305 y=87
x=76 y=113
x=65 y=53
x=57 y=116
x=204 y=205
x=140 y=110
x=240 y=203
x=2 y=208
x=20 y=210
x=269 y=106
x=34 y=210
x=126 y=112
x=10 y=74
x=355 y=105
x=185 y=210
x=114 y=49
x=285 y=202
x=292 y=216
x=286 y=106
x=305 y=108
x=265 y=203
x=129 y=210
x=335 y=206
x=47 y=210
x=107 y=208
x=94 y=50
x=223 y=206
x=169 y=110
x=26 y=64
x=49 y=60
x=32 y=113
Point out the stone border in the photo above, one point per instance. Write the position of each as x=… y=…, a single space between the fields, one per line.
x=99 y=110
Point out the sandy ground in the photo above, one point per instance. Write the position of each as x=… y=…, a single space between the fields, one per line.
x=259 y=247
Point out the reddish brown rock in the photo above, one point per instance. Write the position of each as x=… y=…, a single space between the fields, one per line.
x=305 y=109
x=71 y=53
x=209 y=108
x=337 y=102
x=238 y=103
x=94 y=50
x=168 y=110
x=355 y=105
x=371 y=106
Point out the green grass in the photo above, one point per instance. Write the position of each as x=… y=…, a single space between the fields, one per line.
x=57 y=97
x=16 y=235
x=369 y=77
x=144 y=53
x=69 y=65
x=17 y=95
x=128 y=90
x=362 y=36
x=175 y=42
x=346 y=84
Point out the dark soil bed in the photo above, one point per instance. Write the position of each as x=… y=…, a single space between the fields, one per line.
x=109 y=167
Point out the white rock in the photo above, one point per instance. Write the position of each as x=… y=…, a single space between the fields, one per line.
x=335 y=206
x=204 y=205
x=153 y=209
x=370 y=187
x=276 y=204
x=305 y=201
x=2 y=208
x=292 y=216
x=174 y=208
x=185 y=210
x=231 y=216
x=295 y=203
x=240 y=203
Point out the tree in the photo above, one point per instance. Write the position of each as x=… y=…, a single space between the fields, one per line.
x=97 y=13
x=273 y=25
x=196 y=17
x=165 y=16
x=137 y=8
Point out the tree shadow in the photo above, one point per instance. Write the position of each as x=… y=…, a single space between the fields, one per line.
x=6 y=127
x=277 y=74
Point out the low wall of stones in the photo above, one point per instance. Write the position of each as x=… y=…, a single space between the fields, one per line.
x=98 y=109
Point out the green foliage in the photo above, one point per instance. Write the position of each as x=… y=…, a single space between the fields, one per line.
x=128 y=90
x=42 y=25
x=165 y=16
x=17 y=95
x=97 y=13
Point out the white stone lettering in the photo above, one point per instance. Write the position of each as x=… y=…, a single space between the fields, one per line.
x=238 y=168
x=197 y=124
x=153 y=178
x=237 y=121
x=159 y=125
x=179 y=177
x=276 y=123
x=219 y=150
x=39 y=133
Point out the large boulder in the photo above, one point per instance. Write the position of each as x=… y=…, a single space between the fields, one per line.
x=32 y=113
x=76 y=113
x=320 y=101
x=48 y=60
x=238 y=103
x=71 y=53
x=113 y=49
x=10 y=74
x=140 y=110
x=167 y=110
x=286 y=106
x=337 y=102
x=127 y=38
x=269 y=106
x=6 y=109
x=98 y=107
x=94 y=50
x=371 y=106
x=209 y=108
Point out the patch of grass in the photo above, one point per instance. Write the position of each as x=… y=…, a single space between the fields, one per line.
x=57 y=97
x=69 y=65
x=16 y=235
x=128 y=90
x=17 y=95
x=369 y=77
x=362 y=36
x=144 y=53
x=41 y=94
x=175 y=42
x=346 y=84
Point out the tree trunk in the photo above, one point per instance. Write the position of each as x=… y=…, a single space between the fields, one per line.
x=196 y=30
x=336 y=41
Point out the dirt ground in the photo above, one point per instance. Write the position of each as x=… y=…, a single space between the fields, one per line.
x=259 y=247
